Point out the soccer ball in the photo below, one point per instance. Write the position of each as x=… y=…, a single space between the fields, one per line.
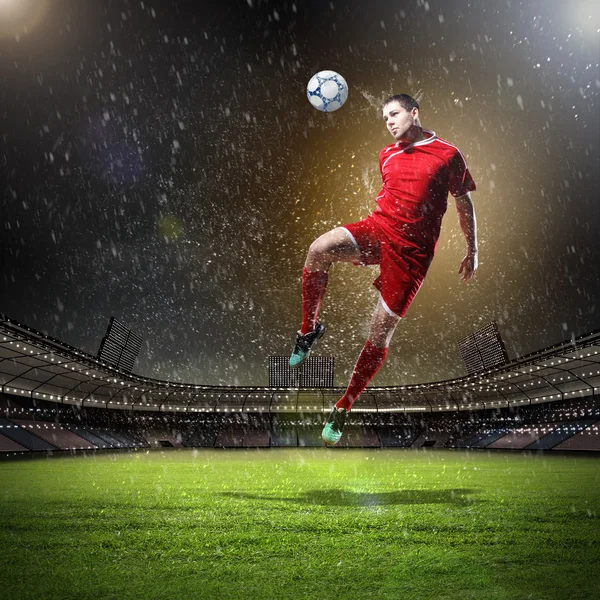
x=327 y=91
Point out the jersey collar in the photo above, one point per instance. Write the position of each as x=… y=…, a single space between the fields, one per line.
x=427 y=140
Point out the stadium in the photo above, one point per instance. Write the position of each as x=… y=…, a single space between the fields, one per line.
x=57 y=398
x=187 y=170
x=480 y=487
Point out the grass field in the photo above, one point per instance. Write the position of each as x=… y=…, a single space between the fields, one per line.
x=300 y=523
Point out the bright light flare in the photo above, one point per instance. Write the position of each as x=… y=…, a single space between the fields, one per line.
x=18 y=17
x=585 y=15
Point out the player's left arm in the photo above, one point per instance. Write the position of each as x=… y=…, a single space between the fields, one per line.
x=468 y=224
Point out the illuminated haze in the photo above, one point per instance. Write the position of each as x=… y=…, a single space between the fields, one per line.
x=164 y=166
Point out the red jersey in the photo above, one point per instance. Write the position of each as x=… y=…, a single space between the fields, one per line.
x=416 y=181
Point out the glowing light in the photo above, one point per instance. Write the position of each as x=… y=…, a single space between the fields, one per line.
x=19 y=17
x=586 y=15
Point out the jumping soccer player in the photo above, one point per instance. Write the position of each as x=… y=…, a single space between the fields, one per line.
x=401 y=236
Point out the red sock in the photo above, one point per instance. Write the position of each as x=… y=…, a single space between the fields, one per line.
x=313 y=290
x=370 y=360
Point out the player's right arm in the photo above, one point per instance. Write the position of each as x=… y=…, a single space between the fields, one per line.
x=460 y=184
x=468 y=224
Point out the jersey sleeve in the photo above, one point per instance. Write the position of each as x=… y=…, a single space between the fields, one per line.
x=460 y=181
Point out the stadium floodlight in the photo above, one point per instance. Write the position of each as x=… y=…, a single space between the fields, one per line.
x=120 y=346
x=483 y=349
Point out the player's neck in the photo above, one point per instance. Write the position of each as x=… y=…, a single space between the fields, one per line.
x=413 y=135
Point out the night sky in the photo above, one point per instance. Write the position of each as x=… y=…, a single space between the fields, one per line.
x=162 y=164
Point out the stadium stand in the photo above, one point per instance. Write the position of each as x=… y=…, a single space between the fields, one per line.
x=8 y=445
x=202 y=433
x=519 y=438
x=106 y=436
x=562 y=432
x=431 y=439
x=230 y=436
x=162 y=438
x=283 y=435
x=90 y=437
x=55 y=397
x=24 y=437
x=522 y=428
x=55 y=434
x=359 y=436
x=491 y=435
x=256 y=438
x=587 y=440
x=397 y=436
x=309 y=436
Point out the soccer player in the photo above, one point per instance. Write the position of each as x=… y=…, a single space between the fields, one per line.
x=418 y=171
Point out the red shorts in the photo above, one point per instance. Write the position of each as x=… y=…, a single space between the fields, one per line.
x=402 y=267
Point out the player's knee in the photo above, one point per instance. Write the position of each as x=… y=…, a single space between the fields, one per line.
x=319 y=249
x=316 y=260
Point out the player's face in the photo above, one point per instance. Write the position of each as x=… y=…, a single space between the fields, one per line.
x=398 y=120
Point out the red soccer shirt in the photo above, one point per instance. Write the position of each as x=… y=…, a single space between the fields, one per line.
x=416 y=181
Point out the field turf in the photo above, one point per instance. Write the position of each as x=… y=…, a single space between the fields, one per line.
x=300 y=523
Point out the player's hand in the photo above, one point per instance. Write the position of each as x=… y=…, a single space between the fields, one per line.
x=468 y=266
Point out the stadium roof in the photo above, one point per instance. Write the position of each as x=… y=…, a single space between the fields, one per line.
x=34 y=365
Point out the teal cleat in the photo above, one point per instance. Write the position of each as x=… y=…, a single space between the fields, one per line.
x=332 y=432
x=304 y=344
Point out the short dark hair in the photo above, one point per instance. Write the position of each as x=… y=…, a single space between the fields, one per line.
x=406 y=102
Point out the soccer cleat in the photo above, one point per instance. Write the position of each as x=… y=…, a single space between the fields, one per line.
x=304 y=344
x=332 y=432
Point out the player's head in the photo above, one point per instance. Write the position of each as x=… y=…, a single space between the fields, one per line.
x=401 y=113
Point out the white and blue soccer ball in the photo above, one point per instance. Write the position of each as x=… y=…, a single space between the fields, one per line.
x=327 y=91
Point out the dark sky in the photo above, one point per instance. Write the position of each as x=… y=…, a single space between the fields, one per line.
x=161 y=164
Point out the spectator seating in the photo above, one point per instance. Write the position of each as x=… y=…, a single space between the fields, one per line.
x=256 y=438
x=587 y=439
x=24 y=437
x=55 y=434
x=36 y=425
x=284 y=436
x=230 y=437
x=521 y=437
x=8 y=445
x=560 y=434
x=431 y=439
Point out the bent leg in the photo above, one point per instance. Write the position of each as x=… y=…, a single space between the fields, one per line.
x=372 y=356
x=333 y=246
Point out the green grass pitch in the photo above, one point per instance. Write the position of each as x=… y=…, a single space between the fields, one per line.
x=301 y=523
